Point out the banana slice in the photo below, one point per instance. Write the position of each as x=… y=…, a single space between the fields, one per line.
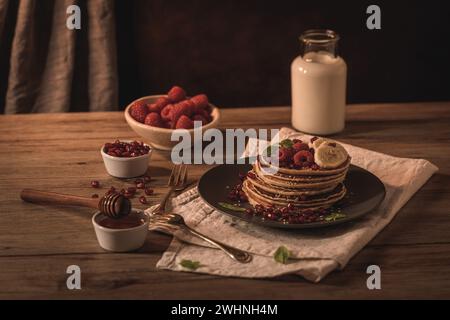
x=330 y=155
x=317 y=143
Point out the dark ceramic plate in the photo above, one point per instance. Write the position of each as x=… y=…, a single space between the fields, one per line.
x=364 y=193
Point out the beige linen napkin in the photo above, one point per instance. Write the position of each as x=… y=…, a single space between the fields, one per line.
x=316 y=252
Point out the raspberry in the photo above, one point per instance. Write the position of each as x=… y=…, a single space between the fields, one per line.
x=166 y=112
x=298 y=146
x=284 y=154
x=199 y=117
x=179 y=109
x=159 y=104
x=200 y=101
x=154 y=119
x=139 y=111
x=167 y=124
x=303 y=158
x=176 y=94
x=184 y=123
x=204 y=114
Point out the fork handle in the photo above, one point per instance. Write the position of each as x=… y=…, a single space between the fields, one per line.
x=236 y=254
x=163 y=203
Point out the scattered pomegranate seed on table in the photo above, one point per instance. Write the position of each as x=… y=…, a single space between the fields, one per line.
x=140 y=185
x=95 y=184
x=148 y=191
x=143 y=200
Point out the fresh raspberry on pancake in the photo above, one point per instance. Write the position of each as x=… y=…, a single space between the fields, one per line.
x=139 y=111
x=299 y=146
x=176 y=94
x=303 y=158
x=284 y=155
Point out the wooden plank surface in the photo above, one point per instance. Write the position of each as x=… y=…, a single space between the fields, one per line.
x=60 y=152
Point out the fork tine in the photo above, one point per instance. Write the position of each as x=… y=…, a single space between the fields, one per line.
x=179 y=175
x=182 y=177
x=172 y=175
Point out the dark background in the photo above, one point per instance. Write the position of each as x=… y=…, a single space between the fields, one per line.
x=239 y=51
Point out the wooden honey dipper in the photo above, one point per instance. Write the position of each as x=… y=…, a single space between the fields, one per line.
x=113 y=205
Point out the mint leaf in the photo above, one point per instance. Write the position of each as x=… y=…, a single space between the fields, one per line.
x=286 y=143
x=335 y=216
x=282 y=255
x=230 y=206
x=189 y=264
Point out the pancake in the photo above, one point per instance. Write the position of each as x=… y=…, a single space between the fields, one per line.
x=289 y=190
x=293 y=182
x=257 y=196
x=305 y=171
x=310 y=187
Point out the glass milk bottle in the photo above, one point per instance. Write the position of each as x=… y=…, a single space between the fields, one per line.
x=318 y=79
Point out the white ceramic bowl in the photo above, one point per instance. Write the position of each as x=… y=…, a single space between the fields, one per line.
x=120 y=240
x=126 y=167
x=159 y=138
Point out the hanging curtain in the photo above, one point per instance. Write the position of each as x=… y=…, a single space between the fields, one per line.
x=48 y=68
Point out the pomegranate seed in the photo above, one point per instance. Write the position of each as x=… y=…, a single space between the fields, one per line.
x=147 y=179
x=95 y=184
x=137 y=181
x=249 y=211
x=148 y=191
x=314 y=139
x=128 y=194
x=290 y=206
x=140 y=185
x=125 y=149
x=94 y=195
x=143 y=200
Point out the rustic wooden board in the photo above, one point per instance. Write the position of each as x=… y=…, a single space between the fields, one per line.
x=60 y=152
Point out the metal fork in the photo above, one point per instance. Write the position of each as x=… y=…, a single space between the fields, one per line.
x=173 y=219
x=177 y=182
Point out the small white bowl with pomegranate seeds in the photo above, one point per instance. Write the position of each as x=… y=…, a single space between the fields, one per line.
x=126 y=159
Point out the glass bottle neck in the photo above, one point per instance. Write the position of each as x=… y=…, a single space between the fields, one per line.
x=323 y=41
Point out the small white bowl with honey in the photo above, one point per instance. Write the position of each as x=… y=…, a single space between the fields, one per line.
x=121 y=235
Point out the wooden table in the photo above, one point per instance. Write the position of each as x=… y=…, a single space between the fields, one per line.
x=60 y=152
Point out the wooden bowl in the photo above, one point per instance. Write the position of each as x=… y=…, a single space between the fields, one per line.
x=159 y=138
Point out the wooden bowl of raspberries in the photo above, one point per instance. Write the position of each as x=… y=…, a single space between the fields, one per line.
x=156 y=117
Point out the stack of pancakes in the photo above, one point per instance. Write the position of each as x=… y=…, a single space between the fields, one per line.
x=304 y=188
